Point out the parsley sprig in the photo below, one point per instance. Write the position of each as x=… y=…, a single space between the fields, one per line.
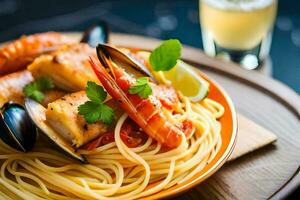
x=142 y=88
x=95 y=110
x=165 y=56
x=35 y=89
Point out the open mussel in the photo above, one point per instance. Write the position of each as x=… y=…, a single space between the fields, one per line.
x=132 y=66
x=37 y=113
x=96 y=34
x=16 y=128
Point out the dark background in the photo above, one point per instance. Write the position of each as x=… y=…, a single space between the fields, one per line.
x=162 y=19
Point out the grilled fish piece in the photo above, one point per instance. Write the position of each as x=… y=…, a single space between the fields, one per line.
x=62 y=115
x=11 y=86
x=68 y=67
x=52 y=95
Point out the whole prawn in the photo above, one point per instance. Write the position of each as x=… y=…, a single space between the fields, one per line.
x=16 y=55
x=144 y=112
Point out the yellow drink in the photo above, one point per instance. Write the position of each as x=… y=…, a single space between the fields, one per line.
x=237 y=26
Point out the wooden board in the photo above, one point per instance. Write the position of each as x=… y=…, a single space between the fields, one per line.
x=268 y=172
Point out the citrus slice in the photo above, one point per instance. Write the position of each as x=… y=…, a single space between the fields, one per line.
x=184 y=79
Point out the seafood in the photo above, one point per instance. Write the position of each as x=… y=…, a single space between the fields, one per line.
x=16 y=55
x=135 y=134
x=126 y=59
x=167 y=96
x=16 y=127
x=147 y=112
x=96 y=34
x=68 y=67
x=64 y=127
x=52 y=95
x=11 y=86
x=37 y=114
x=62 y=116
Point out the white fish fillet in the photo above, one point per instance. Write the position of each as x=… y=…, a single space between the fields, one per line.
x=68 y=67
x=62 y=115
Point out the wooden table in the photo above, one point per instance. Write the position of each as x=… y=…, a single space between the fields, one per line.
x=271 y=172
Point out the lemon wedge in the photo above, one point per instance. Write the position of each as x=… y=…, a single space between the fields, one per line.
x=184 y=79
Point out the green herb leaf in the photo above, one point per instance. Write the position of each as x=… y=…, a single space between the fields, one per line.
x=142 y=88
x=107 y=114
x=37 y=95
x=44 y=83
x=95 y=110
x=146 y=92
x=165 y=56
x=29 y=89
x=35 y=89
x=95 y=92
x=90 y=111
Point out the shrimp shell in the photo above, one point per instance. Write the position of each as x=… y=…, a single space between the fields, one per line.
x=18 y=54
x=142 y=111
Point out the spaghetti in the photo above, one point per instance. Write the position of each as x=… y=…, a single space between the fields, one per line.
x=115 y=171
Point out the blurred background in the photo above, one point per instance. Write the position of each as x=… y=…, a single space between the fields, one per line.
x=160 y=19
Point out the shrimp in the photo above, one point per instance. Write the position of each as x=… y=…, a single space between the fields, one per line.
x=16 y=55
x=146 y=113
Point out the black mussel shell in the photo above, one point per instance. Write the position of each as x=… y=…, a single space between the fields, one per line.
x=16 y=128
x=107 y=52
x=96 y=34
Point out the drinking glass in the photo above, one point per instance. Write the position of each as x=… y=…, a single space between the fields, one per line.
x=238 y=30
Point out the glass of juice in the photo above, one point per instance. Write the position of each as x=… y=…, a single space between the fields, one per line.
x=238 y=30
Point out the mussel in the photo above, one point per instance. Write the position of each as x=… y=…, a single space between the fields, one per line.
x=96 y=34
x=37 y=113
x=127 y=62
x=16 y=128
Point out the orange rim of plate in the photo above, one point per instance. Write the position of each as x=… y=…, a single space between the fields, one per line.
x=228 y=134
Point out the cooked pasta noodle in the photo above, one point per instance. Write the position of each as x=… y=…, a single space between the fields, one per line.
x=115 y=171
